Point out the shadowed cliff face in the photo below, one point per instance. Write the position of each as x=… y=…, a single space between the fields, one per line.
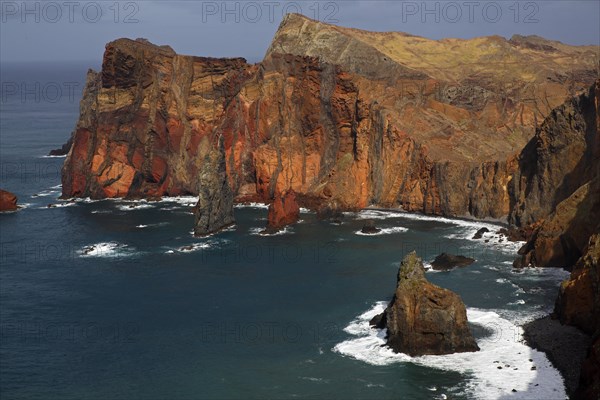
x=336 y=114
x=557 y=185
x=556 y=189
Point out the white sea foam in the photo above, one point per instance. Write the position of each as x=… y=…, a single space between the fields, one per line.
x=179 y=199
x=467 y=228
x=46 y=193
x=59 y=205
x=313 y=379
x=142 y=226
x=194 y=247
x=252 y=205
x=285 y=231
x=134 y=206
x=429 y=268
x=374 y=214
x=502 y=348
x=106 y=249
x=384 y=231
x=49 y=156
x=190 y=248
x=515 y=303
x=555 y=274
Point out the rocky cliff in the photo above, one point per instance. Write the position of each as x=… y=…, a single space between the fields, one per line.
x=557 y=185
x=336 y=114
x=423 y=318
x=556 y=192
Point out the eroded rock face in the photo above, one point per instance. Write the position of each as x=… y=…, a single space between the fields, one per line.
x=578 y=302
x=283 y=211
x=557 y=191
x=8 y=201
x=214 y=210
x=147 y=122
x=379 y=124
x=423 y=318
x=556 y=200
x=563 y=155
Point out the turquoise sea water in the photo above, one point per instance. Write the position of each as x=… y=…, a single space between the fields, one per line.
x=152 y=312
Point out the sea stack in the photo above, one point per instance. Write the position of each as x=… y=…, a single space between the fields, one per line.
x=283 y=211
x=8 y=201
x=214 y=210
x=423 y=318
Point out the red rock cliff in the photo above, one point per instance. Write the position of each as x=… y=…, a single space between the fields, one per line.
x=335 y=114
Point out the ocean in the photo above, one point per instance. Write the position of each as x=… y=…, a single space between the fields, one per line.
x=117 y=299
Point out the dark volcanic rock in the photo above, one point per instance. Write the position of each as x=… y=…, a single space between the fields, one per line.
x=423 y=318
x=589 y=382
x=445 y=262
x=558 y=189
x=565 y=346
x=283 y=211
x=558 y=160
x=479 y=233
x=578 y=301
x=64 y=149
x=369 y=227
x=556 y=196
x=214 y=210
x=515 y=234
x=331 y=212
x=8 y=201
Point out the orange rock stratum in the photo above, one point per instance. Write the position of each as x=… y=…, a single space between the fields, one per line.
x=336 y=114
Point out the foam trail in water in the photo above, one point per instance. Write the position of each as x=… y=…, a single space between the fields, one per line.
x=285 y=231
x=106 y=249
x=384 y=231
x=503 y=348
x=252 y=205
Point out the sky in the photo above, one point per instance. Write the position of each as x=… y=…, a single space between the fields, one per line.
x=69 y=30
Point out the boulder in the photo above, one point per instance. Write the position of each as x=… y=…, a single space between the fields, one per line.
x=479 y=233
x=369 y=227
x=8 y=201
x=283 y=211
x=423 y=318
x=331 y=212
x=445 y=262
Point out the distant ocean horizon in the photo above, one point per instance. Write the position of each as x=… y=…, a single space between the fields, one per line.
x=118 y=299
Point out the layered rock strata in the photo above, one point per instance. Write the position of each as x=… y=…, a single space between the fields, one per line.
x=335 y=114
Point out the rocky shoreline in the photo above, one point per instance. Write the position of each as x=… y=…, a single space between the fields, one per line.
x=565 y=346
